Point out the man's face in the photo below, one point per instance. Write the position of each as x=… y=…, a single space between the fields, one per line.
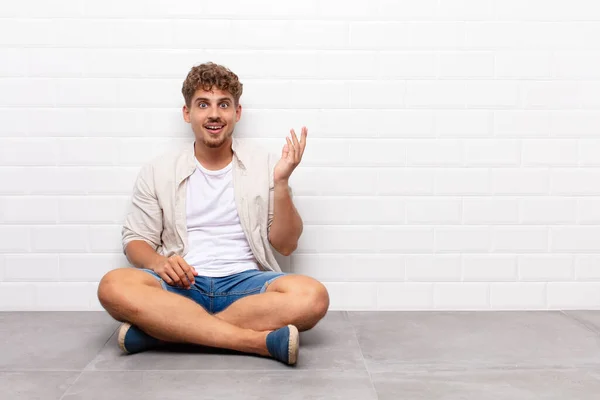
x=213 y=115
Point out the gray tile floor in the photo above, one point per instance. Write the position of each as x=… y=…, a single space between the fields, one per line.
x=349 y=355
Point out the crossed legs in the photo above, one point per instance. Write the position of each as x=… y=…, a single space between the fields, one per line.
x=133 y=296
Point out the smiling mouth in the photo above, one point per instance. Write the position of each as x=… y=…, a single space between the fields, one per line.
x=214 y=129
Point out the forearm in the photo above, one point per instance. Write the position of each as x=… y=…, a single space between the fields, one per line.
x=287 y=226
x=141 y=255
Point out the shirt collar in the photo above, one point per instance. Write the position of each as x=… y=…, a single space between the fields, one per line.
x=187 y=160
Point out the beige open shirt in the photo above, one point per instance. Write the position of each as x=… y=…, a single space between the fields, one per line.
x=158 y=211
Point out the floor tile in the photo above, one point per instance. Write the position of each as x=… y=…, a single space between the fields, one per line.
x=397 y=340
x=491 y=384
x=52 y=340
x=36 y=385
x=219 y=385
x=330 y=345
x=589 y=318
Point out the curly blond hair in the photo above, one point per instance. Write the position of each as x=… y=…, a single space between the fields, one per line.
x=208 y=76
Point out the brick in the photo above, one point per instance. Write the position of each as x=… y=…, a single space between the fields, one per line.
x=462 y=181
x=378 y=152
x=348 y=181
x=464 y=10
x=518 y=296
x=17 y=296
x=544 y=268
x=461 y=296
x=491 y=152
x=552 y=152
x=400 y=65
x=377 y=94
x=462 y=239
x=438 y=152
x=575 y=123
x=88 y=267
x=379 y=35
x=17 y=152
x=352 y=296
x=570 y=182
x=489 y=267
x=31 y=268
x=56 y=239
x=587 y=267
x=351 y=267
x=588 y=210
x=547 y=210
x=521 y=123
x=588 y=152
x=573 y=295
x=336 y=239
x=480 y=211
x=520 y=239
x=466 y=65
x=576 y=238
x=523 y=64
x=404 y=239
x=87 y=151
x=317 y=35
x=70 y=296
x=15 y=238
x=407 y=10
x=435 y=94
x=433 y=211
x=29 y=210
x=463 y=123
x=404 y=296
x=433 y=268
x=405 y=181
x=347 y=65
x=515 y=181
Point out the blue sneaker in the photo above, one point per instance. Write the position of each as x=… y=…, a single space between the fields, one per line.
x=133 y=340
x=284 y=343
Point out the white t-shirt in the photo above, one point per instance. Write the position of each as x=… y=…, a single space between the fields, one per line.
x=217 y=243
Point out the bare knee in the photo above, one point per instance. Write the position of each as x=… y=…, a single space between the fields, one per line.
x=316 y=300
x=114 y=291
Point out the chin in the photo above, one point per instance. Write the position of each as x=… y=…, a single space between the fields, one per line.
x=214 y=143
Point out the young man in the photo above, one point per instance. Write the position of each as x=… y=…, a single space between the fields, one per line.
x=200 y=232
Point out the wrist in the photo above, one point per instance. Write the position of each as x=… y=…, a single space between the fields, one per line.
x=156 y=261
x=281 y=182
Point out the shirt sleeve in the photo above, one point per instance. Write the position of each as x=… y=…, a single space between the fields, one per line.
x=144 y=220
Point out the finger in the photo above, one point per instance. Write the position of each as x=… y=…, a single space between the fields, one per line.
x=296 y=146
x=175 y=272
x=187 y=270
x=292 y=151
x=302 y=144
x=182 y=276
x=170 y=277
x=285 y=151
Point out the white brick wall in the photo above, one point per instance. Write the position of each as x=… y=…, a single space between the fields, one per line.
x=453 y=158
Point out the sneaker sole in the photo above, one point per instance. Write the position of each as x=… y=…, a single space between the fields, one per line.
x=294 y=345
x=121 y=337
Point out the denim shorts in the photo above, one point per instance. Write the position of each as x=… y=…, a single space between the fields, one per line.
x=216 y=294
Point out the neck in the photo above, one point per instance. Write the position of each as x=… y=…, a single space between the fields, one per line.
x=214 y=158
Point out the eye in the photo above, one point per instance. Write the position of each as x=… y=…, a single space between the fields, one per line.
x=224 y=105
x=202 y=105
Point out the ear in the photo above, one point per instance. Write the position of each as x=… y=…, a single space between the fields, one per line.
x=238 y=113
x=186 y=114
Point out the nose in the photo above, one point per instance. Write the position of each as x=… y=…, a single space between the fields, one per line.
x=214 y=113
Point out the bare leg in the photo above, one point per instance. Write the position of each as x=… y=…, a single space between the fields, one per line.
x=136 y=297
x=294 y=299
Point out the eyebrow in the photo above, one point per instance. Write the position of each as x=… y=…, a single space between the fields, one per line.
x=208 y=100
